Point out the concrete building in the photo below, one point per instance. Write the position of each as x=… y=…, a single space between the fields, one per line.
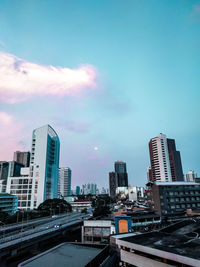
x=89 y=189
x=40 y=181
x=8 y=169
x=22 y=158
x=64 y=182
x=112 y=184
x=165 y=160
x=165 y=248
x=121 y=173
x=191 y=176
x=70 y=254
x=97 y=231
x=8 y=203
x=173 y=198
x=78 y=190
x=81 y=204
x=4 y=167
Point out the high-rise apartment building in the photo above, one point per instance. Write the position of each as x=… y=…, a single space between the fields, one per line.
x=191 y=176
x=64 y=182
x=175 y=161
x=122 y=176
x=22 y=158
x=40 y=181
x=165 y=160
x=44 y=163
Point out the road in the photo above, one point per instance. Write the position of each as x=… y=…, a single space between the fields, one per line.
x=40 y=227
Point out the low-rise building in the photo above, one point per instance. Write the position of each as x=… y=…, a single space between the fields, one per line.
x=173 y=198
x=81 y=204
x=97 y=231
x=168 y=247
x=8 y=203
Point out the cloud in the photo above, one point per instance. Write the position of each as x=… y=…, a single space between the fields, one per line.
x=21 y=79
x=10 y=133
x=197 y=8
x=74 y=126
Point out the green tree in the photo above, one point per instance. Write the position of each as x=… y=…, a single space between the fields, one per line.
x=55 y=206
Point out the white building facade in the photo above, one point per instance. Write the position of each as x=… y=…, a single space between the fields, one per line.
x=64 y=182
x=40 y=181
x=160 y=164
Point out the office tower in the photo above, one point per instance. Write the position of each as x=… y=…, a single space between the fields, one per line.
x=112 y=184
x=44 y=163
x=78 y=190
x=191 y=176
x=64 y=182
x=4 y=166
x=39 y=182
x=122 y=176
x=22 y=158
x=165 y=160
x=175 y=161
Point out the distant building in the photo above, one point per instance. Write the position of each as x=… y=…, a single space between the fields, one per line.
x=165 y=160
x=8 y=203
x=149 y=174
x=89 y=189
x=22 y=158
x=8 y=169
x=136 y=193
x=173 y=198
x=64 y=182
x=80 y=204
x=4 y=167
x=122 y=176
x=191 y=176
x=78 y=190
x=112 y=184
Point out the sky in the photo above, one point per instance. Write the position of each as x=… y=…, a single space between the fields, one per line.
x=106 y=75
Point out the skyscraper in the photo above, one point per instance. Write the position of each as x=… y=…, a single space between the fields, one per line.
x=22 y=158
x=64 y=182
x=44 y=163
x=122 y=176
x=38 y=182
x=112 y=184
x=175 y=161
x=165 y=160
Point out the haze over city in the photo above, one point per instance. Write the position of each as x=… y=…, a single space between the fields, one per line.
x=107 y=76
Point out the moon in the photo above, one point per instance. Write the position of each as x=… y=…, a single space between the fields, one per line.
x=96 y=148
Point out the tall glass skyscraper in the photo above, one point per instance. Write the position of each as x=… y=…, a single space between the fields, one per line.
x=44 y=164
x=38 y=182
x=122 y=176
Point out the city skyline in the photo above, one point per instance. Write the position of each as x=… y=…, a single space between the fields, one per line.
x=107 y=76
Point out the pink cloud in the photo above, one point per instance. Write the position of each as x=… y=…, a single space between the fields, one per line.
x=10 y=135
x=21 y=79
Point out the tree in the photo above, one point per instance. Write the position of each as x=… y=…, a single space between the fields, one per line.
x=55 y=206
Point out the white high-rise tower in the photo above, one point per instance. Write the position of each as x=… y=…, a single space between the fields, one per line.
x=159 y=155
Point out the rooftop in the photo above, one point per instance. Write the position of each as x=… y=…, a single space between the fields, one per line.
x=181 y=238
x=65 y=254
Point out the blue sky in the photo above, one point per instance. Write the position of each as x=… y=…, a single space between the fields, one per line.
x=146 y=60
